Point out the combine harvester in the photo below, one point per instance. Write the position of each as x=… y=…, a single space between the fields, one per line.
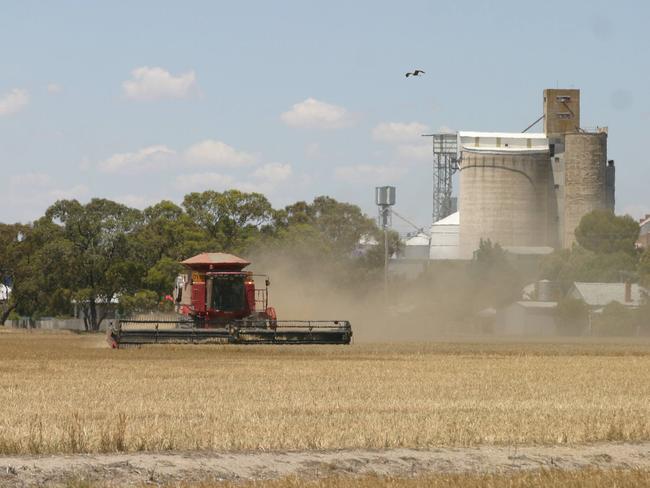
x=218 y=303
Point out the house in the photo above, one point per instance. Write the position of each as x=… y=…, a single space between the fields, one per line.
x=5 y=291
x=536 y=315
x=597 y=295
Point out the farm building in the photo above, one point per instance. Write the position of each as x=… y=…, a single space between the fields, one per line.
x=598 y=295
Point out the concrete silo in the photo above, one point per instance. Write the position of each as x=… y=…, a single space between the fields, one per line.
x=505 y=189
x=585 y=179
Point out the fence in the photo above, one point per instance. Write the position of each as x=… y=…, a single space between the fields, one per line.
x=49 y=323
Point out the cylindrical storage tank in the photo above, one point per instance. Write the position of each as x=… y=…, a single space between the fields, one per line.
x=504 y=197
x=585 y=178
x=546 y=291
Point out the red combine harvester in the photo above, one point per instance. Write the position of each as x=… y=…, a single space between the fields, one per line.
x=218 y=302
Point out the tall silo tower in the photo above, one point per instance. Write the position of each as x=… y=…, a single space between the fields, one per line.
x=561 y=117
x=583 y=179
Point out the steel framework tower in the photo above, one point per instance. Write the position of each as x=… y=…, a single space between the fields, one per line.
x=445 y=164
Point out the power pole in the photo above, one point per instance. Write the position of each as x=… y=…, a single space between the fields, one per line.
x=385 y=199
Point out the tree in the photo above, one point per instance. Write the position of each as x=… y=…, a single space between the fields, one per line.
x=644 y=268
x=140 y=301
x=13 y=258
x=232 y=218
x=603 y=232
x=578 y=264
x=96 y=262
x=572 y=315
x=616 y=320
x=341 y=225
x=160 y=277
x=495 y=280
x=168 y=232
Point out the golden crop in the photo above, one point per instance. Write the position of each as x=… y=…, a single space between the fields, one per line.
x=63 y=392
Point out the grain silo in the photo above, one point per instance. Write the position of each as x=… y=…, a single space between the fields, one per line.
x=585 y=178
x=505 y=189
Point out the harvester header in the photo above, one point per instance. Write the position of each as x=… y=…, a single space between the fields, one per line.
x=217 y=301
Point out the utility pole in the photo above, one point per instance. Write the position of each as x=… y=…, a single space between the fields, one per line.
x=385 y=199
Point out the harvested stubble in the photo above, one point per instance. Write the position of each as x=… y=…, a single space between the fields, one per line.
x=68 y=393
x=585 y=478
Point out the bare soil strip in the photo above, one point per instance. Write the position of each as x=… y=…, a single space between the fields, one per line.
x=138 y=468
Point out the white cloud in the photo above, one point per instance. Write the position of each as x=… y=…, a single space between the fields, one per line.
x=145 y=159
x=31 y=193
x=14 y=101
x=77 y=191
x=54 y=88
x=273 y=172
x=45 y=186
x=32 y=180
x=313 y=150
x=369 y=173
x=217 y=153
x=136 y=201
x=399 y=131
x=313 y=113
x=636 y=210
x=203 y=181
x=264 y=179
x=415 y=152
x=154 y=83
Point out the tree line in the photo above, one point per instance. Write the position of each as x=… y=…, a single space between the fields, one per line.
x=86 y=254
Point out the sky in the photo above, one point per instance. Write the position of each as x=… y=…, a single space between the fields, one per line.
x=148 y=100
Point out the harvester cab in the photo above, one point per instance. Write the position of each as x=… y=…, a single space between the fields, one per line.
x=217 y=301
x=215 y=289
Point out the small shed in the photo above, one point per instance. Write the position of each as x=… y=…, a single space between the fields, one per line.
x=417 y=246
x=527 y=318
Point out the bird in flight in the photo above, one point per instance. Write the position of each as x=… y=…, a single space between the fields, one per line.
x=417 y=72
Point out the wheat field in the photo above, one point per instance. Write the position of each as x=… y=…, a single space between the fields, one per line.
x=65 y=393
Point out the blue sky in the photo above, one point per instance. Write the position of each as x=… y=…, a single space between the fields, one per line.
x=140 y=101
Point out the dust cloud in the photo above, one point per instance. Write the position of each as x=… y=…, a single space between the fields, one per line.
x=303 y=289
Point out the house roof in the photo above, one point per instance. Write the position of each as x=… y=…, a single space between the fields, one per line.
x=535 y=304
x=600 y=294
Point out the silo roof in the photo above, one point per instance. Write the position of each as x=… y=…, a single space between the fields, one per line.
x=453 y=219
x=503 y=142
x=505 y=135
x=418 y=240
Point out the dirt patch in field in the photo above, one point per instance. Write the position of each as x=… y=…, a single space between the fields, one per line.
x=161 y=468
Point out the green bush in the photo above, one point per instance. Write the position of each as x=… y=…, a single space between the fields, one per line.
x=572 y=315
x=616 y=320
